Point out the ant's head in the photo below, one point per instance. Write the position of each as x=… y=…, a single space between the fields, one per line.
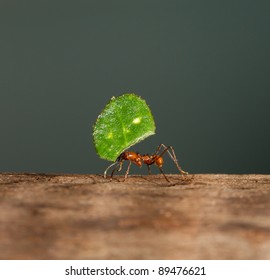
x=120 y=157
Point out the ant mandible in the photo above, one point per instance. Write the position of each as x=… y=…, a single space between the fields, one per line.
x=149 y=160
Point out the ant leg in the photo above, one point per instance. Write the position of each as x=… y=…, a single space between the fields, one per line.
x=160 y=169
x=173 y=157
x=126 y=175
x=158 y=148
x=176 y=161
x=120 y=167
x=149 y=169
x=105 y=172
x=113 y=164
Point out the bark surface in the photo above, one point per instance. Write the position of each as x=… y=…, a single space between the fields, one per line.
x=45 y=216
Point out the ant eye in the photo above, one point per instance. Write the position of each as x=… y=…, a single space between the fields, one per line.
x=125 y=121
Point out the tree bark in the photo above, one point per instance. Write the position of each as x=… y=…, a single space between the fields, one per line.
x=46 y=216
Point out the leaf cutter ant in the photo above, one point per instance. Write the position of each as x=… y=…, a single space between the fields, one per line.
x=138 y=159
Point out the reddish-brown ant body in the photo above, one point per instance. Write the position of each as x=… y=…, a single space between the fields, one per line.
x=148 y=160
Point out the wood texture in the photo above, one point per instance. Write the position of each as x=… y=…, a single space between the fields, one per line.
x=46 y=216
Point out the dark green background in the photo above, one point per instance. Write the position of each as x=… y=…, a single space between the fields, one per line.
x=202 y=66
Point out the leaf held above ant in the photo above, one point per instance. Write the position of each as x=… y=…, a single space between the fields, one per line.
x=125 y=121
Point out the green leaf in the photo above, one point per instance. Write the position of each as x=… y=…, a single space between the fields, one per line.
x=125 y=121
